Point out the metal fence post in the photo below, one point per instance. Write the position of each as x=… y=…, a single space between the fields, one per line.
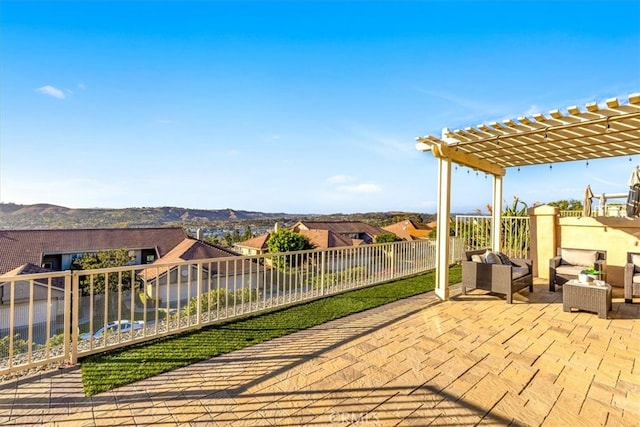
x=200 y=296
x=72 y=314
x=323 y=261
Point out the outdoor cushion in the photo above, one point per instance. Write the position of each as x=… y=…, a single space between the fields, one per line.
x=581 y=257
x=518 y=272
x=476 y=258
x=573 y=270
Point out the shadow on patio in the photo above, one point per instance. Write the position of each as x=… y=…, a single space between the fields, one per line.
x=471 y=360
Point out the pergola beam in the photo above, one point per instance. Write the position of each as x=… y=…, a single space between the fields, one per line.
x=444 y=151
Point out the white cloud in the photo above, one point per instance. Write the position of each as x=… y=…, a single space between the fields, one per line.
x=51 y=91
x=360 y=188
x=339 y=179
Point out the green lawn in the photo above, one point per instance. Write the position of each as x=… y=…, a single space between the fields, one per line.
x=106 y=371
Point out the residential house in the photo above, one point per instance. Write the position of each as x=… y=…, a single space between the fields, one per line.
x=48 y=296
x=254 y=246
x=321 y=234
x=25 y=252
x=56 y=249
x=338 y=235
x=354 y=231
x=409 y=230
x=181 y=270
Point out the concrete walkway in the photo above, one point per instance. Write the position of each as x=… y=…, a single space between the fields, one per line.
x=474 y=360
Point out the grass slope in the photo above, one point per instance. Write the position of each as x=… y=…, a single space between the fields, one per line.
x=106 y=371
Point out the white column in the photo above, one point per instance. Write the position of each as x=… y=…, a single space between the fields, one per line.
x=442 y=239
x=496 y=220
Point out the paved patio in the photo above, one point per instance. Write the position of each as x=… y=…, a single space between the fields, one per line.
x=474 y=360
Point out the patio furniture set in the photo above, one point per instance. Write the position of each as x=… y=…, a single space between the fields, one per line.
x=581 y=272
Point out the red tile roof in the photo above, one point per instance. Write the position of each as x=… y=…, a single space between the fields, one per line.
x=408 y=230
x=192 y=250
x=29 y=268
x=323 y=239
x=258 y=242
x=19 y=247
x=339 y=227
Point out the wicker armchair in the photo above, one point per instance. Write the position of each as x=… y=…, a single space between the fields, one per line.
x=632 y=277
x=569 y=263
x=496 y=276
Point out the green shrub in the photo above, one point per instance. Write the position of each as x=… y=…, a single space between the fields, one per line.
x=346 y=276
x=19 y=345
x=220 y=298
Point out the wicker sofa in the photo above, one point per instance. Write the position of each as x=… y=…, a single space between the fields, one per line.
x=568 y=263
x=632 y=277
x=500 y=276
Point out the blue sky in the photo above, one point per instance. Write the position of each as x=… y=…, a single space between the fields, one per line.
x=297 y=107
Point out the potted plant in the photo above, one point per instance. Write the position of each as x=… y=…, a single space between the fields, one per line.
x=588 y=275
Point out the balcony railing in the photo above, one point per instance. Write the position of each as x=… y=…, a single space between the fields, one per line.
x=59 y=317
x=475 y=233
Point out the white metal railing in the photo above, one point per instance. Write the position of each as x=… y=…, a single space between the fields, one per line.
x=61 y=316
x=608 y=210
x=475 y=233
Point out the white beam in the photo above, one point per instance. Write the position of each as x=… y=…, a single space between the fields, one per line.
x=496 y=217
x=442 y=237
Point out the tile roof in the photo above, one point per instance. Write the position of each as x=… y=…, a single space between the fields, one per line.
x=19 y=247
x=29 y=268
x=408 y=230
x=258 y=242
x=194 y=250
x=191 y=249
x=340 y=227
x=323 y=239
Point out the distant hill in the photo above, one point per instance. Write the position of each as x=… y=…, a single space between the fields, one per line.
x=46 y=216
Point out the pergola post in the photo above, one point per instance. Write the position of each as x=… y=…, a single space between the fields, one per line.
x=496 y=215
x=442 y=237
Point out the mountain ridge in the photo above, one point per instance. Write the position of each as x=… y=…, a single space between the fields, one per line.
x=45 y=216
x=48 y=216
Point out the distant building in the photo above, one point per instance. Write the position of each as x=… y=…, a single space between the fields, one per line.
x=56 y=249
x=254 y=246
x=321 y=234
x=180 y=282
x=44 y=251
x=408 y=230
x=354 y=231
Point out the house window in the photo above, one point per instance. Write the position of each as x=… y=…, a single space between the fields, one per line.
x=150 y=259
x=47 y=265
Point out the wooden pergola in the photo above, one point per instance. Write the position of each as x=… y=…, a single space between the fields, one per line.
x=596 y=132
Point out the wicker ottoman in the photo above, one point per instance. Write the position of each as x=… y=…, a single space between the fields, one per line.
x=586 y=297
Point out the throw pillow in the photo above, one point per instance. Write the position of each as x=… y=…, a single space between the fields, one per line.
x=492 y=258
x=476 y=258
x=635 y=259
x=503 y=258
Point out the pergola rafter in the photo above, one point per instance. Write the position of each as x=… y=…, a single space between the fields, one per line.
x=579 y=135
x=596 y=132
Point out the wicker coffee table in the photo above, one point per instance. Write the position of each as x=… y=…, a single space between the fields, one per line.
x=587 y=297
